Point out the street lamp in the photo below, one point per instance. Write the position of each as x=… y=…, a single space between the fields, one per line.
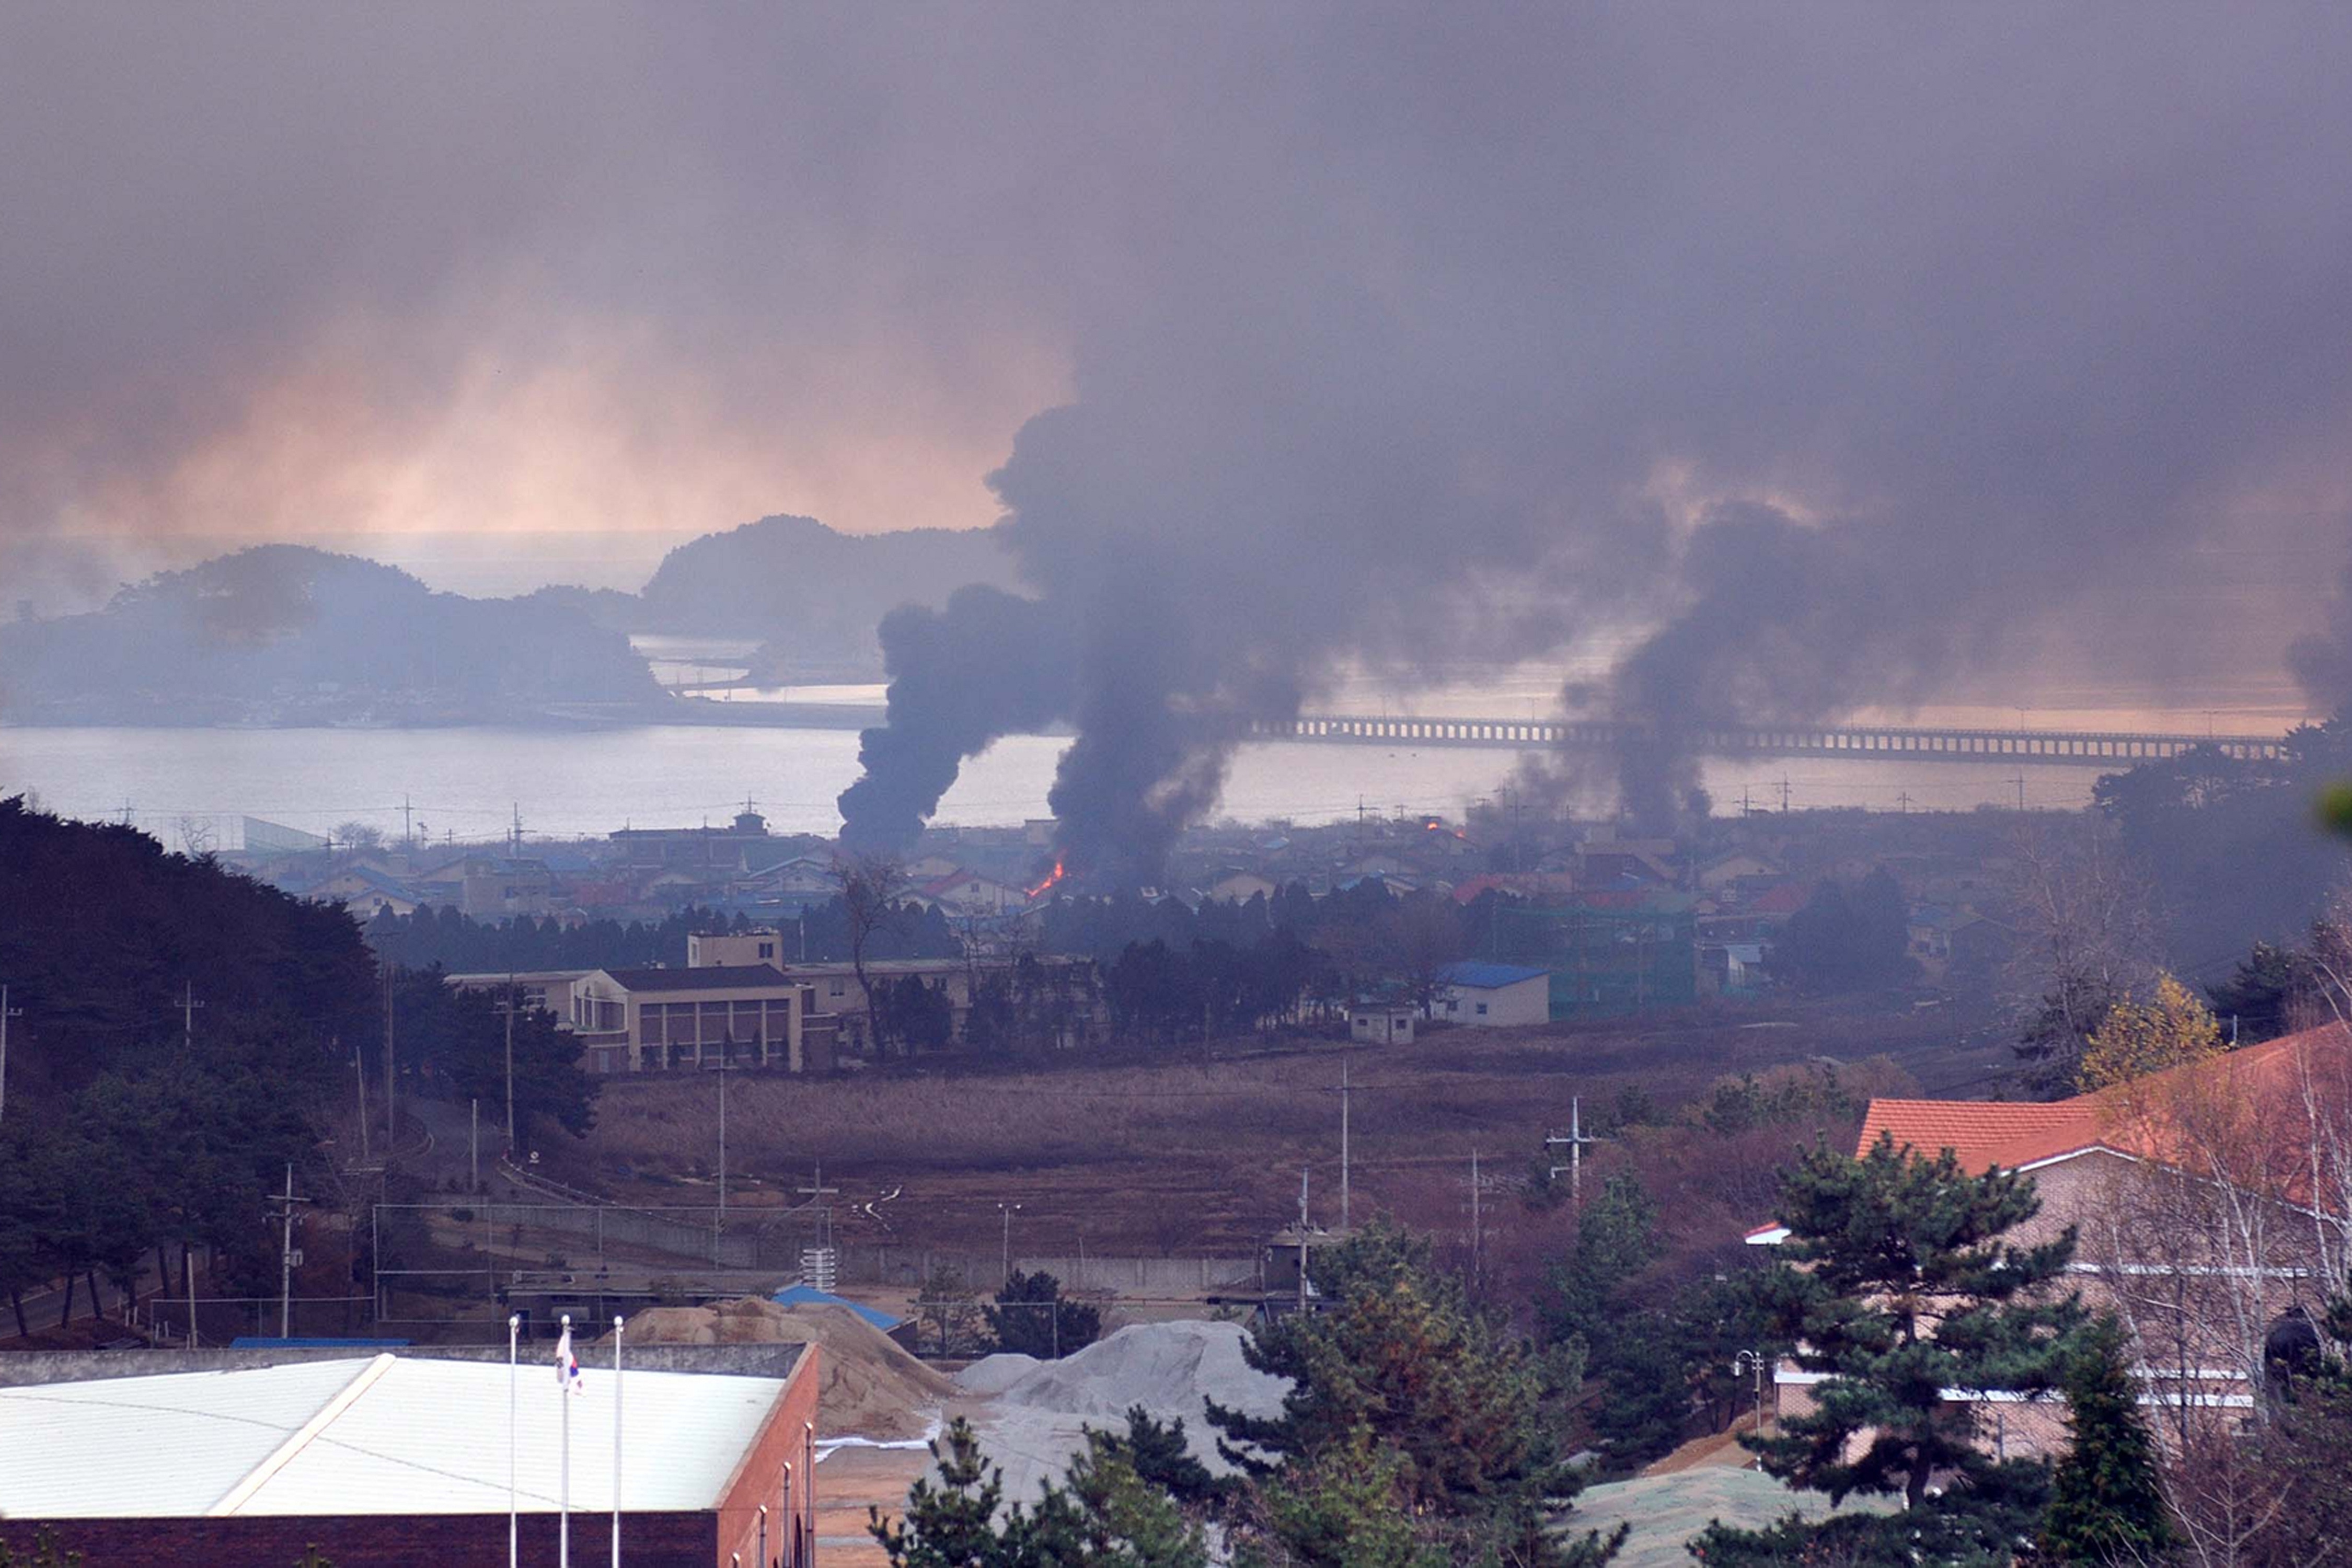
x=1008 y=1211
x=1755 y=1360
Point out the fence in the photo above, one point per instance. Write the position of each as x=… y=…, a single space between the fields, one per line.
x=220 y=1319
x=1159 y=1277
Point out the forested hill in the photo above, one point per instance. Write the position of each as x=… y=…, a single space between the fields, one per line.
x=103 y=935
x=282 y=634
x=813 y=594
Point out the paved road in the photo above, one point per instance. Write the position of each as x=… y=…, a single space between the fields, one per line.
x=42 y=1307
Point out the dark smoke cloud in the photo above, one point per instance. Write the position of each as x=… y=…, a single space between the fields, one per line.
x=1832 y=348
x=988 y=664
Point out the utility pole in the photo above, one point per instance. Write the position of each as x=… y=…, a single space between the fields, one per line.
x=1302 y=1238
x=407 y=835
x=1784 y=794
x=724 y=1064
x=391 y=1100
x=2020 y=782
x=1574 y=1143
x=1753 y=1361
x=474 y=1145
x=1902 y=803
x=1343 y=1143
x=188 y=1006
x=511 y=1144
x=286 y=1258
x=6 y=1013
x=359 y=1077
x=1008 y=1211
x=1477 y=1228
x=817 y=1191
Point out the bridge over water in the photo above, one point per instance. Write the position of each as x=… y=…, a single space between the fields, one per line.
x=1858 y=742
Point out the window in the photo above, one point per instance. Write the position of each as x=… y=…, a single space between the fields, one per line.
x=1482 y=1009
x=832 y=987
x=767 y=950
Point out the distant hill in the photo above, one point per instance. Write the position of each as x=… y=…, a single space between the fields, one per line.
x=282 y=634
x=814 y=595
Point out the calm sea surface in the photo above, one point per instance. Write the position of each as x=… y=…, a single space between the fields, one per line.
x=469 y=781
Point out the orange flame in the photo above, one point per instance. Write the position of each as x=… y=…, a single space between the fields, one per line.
x=1040 y=889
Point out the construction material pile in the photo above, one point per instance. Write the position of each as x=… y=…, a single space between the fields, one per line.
x=1032 y=1415
x=868 y=1386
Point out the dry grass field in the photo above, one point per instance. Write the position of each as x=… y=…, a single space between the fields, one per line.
x=1194 y=1156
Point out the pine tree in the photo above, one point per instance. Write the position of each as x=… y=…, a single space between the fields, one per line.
x=1469 y=1416
x=2106 y=1505
x=1900 y=1287
x=1101 y=1515
x=950 y=1524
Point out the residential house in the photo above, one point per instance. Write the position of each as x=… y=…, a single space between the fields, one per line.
x=2213 y=1207
x=960 y=892
x=365 y=892
x=1239 y=887
x=490 y=887
x=1733 y=866
x=1491 y=995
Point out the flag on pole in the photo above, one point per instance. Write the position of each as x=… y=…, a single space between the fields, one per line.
x=567 y=1365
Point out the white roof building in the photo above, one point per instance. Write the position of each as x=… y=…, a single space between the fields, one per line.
x=398 y=1436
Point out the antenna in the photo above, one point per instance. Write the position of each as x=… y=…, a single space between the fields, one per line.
x=188 y=1006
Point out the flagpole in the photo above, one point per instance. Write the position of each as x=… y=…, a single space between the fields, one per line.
x=514 y=1558
x=563 y=1530
x=618 y=1323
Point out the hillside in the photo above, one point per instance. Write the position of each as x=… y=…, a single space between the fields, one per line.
x=814 y=595
x=283 y=634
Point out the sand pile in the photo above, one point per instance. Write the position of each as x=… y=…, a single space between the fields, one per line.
x=869 y=1388
x=1032 y=1414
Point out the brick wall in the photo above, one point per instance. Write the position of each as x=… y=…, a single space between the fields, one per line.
x=783 y=1440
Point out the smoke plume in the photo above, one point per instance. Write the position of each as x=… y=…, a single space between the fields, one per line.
x=1817 y=357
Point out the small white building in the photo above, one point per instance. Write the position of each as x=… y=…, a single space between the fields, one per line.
x=1493 y=994
x=1380 y=1023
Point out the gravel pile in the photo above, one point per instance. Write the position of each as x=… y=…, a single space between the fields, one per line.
x=1031 y=1415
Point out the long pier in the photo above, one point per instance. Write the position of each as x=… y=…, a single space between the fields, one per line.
x=1859 y=743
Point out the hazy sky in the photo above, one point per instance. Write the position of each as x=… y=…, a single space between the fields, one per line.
x=1511 y=296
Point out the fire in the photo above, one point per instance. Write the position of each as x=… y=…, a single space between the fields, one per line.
x=1040 y=890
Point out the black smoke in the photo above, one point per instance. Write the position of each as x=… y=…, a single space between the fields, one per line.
x=1816 y=357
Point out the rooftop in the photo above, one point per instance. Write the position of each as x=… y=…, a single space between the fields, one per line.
x=383 y=1434
x=716 y=977
x=1481 y=976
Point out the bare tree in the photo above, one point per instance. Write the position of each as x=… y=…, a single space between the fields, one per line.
x=1416 y=942
x=870 y=883
x=195 y=836
x=2086 y=940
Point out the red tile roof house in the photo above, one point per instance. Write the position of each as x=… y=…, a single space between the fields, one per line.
x=2213 y=1204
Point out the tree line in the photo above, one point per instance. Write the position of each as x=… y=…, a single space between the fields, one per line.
x=464 y=946
x=180 y=1034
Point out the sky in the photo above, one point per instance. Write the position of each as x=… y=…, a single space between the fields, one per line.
x=1847 y=348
